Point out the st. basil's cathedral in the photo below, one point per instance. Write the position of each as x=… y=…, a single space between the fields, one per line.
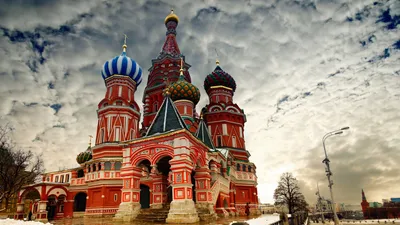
x=181 y=165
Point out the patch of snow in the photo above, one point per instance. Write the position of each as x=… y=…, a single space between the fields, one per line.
x=20 y=222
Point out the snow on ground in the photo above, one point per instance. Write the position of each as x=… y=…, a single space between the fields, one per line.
x=357 y=222
x=20 y=222
x=264 y=219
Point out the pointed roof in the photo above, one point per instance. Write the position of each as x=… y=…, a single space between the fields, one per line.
x=167 y=119
x=171 y=46
x=363 y=195
x=203 y=135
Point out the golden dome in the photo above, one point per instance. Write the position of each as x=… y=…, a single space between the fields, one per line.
x=171 y=16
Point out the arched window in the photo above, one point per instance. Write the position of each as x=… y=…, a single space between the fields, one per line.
x=244 y=168
x=117 y=165
x=249 y=168
x=107 y=166
x=94 y=167
x=89 y=169
x=238 y=167
x=99 y=166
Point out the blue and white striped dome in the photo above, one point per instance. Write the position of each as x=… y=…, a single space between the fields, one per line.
x=122 y=65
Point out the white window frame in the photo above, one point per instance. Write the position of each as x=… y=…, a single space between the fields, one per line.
x=110 y=92
x=119 y=91
x=117 y=133
x=224 y=129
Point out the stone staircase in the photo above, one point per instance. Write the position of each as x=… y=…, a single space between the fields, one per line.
x=152 y=215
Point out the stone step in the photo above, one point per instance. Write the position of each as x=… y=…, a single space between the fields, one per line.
x=153 y=215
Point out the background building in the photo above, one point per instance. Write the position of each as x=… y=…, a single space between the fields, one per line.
x=389 y=209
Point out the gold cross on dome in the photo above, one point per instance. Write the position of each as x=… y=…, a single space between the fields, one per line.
x=90 y=140
x=126 y=37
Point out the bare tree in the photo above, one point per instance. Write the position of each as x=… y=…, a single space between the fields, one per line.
x=288 y=194
x=17 y=167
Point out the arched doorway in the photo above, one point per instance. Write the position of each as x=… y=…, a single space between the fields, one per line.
x=80 y=202
x=164 y=168
x=51 y=207
x=146 y=168
x=163 y=165
x=144 y=196
x=30 y=200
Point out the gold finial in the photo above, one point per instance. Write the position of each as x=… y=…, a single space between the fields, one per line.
x=90 y=140
x=124 y=46
x=171 y=16
x=166 y=89
x=201 y=115
x=181 y=70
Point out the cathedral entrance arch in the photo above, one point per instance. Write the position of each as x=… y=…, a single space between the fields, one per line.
x=80 y=202
x=164 y=169
x=144 y=196
x=163 y=165
x=145 y=166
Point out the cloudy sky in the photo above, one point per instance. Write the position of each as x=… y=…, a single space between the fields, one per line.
x=302 y=67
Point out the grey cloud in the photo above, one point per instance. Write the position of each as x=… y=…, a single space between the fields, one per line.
x=53 y=55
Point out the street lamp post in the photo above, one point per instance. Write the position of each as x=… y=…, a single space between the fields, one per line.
x=328 y=169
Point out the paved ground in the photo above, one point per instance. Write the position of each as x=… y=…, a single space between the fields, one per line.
x=262 y=220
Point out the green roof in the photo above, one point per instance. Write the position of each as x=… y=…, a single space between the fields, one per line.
x=203 y=135
x=167 y=119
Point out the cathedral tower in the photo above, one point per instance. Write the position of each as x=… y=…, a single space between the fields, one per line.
x=185 y=96
x=364 y=205
x=118 y=113
x=224 y=118
x=165 y=69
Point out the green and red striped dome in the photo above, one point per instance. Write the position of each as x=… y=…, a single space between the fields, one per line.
x=219 y=78
x=181 y=89
x=84 y=156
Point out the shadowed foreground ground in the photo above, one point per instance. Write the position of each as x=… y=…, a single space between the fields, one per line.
x=264 y=220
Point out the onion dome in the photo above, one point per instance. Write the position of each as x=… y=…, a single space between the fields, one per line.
x=181 y=89
x=84 y=156
x=171 y=17
x=219 y=78
x=122 y=65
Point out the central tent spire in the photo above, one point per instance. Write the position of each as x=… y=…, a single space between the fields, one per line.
x=171 y=46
